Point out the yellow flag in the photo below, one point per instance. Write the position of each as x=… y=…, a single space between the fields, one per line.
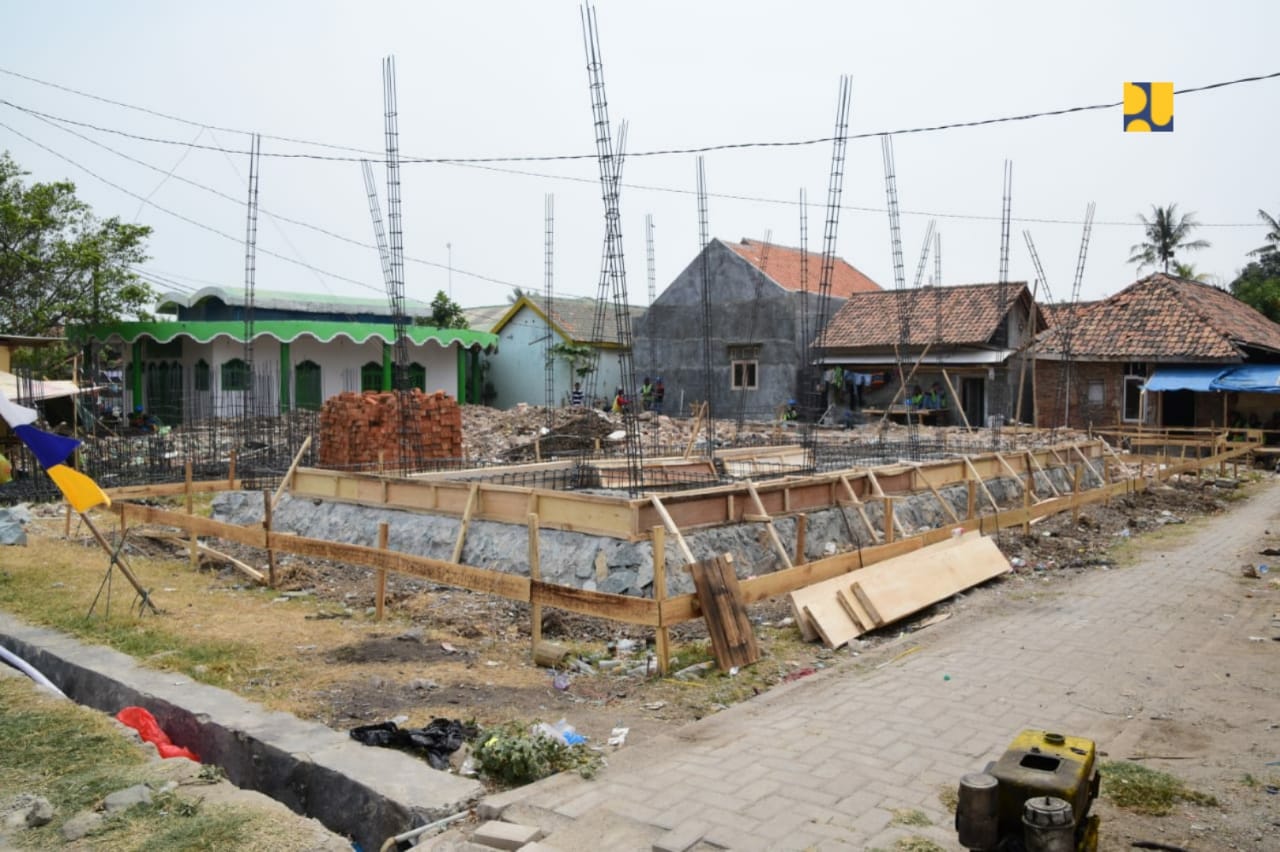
x=81 y=491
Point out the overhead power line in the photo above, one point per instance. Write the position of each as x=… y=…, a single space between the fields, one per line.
x=754 y=199
x=358 y=153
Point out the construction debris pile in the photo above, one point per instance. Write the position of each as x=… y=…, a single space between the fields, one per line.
x=366 y=429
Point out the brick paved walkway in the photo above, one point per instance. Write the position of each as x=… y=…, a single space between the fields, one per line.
x=825 y=762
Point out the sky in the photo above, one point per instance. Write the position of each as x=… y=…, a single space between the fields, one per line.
x=508 y=80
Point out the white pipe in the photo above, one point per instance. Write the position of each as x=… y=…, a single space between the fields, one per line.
x=391 y=842
x=29 y=670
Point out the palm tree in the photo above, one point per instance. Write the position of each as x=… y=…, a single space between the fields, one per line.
x=1273 y=234
x=1166 y=234
x=1189 y=272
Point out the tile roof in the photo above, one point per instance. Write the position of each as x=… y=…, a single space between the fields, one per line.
x=784 y=264
x=1162 y=317
x=290 y=300
x=965 y=314
x=575 y=316
x=1055 y=313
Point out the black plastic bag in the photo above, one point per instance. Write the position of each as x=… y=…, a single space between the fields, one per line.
x=435 y=742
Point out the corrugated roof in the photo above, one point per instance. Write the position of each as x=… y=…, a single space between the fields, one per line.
x=1165 y=318
x=785 y=263
x=957 y=315
x=286 y=331
x=574 y=316
x=288 y=300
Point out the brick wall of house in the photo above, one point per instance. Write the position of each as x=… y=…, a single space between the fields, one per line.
x=354 y=427
x=1082 y=412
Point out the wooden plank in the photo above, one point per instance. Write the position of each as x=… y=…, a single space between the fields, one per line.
x=977 y=477
x=248 y=570
x=170 y=489
x=732 y=640
x=861 y=509
x=380 y=594
x=266 y=534
x=1033 y=461
x=856 y=611
x=437 y=570
x=662 y=636
x=959 y=403
x=195 y=524
x=624 y=608
x=535 y=575
x=1017 y=477
x=946 y=506
x=892 y=524
x=866 y=604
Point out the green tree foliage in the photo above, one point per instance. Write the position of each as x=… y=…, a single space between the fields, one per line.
x=1167 y=233
x=445 y=313
x=1273 y=235
x=1258 y=285
x=59 y=264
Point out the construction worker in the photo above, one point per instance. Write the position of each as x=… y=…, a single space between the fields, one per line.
x=646 y=394
x=620 y=401
x=916 y=400
x=791 y=413
x=659 y=394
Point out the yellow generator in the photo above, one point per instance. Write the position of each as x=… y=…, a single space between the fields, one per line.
x=1036 y=797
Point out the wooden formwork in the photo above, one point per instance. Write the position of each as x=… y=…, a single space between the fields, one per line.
x=640 y=519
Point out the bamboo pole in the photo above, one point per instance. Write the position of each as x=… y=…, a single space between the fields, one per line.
x=118 y=560
x=959 y=403
x=380 y=598
x=535 y=574
x=662 y=637
x=288 y=476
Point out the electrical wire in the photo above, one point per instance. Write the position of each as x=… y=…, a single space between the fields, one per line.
x=660 y=152
x=754 y=199
x=240 y=202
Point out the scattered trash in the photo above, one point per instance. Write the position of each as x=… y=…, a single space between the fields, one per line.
x=1270 y=551
x=141 y=720
x=733 y=671
x=695 y=671
x=436 y=741
x=618 y=736
x=1254 y=571
x=562 y=732
x=560 y=681
x=1018 y=562
x=655 y=705
x=448 y=648
x=946 y=677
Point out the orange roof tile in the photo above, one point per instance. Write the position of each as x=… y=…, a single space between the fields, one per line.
x=1165 y=318
x=955 y=315
x=784 y=264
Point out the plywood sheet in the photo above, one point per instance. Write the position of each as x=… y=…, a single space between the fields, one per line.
x=732 y=639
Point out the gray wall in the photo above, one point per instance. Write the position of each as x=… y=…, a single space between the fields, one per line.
x=668 y=339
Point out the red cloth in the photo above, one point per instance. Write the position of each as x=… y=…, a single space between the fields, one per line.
x=146 y=725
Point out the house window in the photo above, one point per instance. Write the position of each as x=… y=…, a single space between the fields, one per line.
x=235 y=375
x=371 y=377
x=418 y=377
x=744 y=375
x=1095 y=393
x=306 y=386
x=1133 y=398
x=200 y=375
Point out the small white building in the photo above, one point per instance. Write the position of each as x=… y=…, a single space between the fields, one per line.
x=305 y=349
x=526 y=333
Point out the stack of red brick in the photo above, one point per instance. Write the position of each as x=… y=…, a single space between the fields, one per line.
x=354 y=427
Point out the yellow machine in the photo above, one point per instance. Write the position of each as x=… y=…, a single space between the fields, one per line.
x=1036 y=797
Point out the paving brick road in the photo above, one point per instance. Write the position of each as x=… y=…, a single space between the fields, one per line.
x=825 y=762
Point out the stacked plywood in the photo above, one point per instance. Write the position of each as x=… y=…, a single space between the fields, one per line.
x=356 y=427
x=847 y=606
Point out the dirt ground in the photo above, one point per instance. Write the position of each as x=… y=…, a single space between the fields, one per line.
x=444 y=652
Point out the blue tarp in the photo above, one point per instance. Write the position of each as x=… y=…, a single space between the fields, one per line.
x=1250 y=378
x=1194 y=377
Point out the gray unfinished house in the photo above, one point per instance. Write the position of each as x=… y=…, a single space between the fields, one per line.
x=756 y=333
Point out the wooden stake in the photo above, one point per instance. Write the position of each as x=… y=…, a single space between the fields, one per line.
x=266 y=528
x=971 y=502
x=119 y=561
x=473 y=497
x=946 y=507
x=194 y=545
x=231 y=470
x=662 y=639
x=1026 y=518
x=888 y=520
x=985 y=490
x=802 y=527
x=1033 y=462
x=380 y=599
x=1077 y=474
x=535 y=575
x=66 y=523
x=288 y=476
x=861 y=508
x=879 y=492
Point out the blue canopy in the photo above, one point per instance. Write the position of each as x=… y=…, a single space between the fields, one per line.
x=1251 y=378
x=1193 y=377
